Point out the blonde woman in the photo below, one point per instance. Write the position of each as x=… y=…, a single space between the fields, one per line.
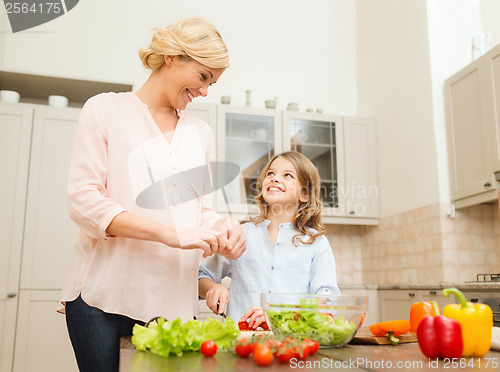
x=137 y=250
x=287 y=251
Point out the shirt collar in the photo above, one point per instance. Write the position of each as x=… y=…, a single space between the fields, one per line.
x=285 y=225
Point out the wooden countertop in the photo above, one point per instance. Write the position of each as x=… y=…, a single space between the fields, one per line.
x=404 y=357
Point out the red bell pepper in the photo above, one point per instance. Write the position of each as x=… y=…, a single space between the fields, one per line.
x=440 y=336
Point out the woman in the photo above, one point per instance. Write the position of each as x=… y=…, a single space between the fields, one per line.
x=136 y=254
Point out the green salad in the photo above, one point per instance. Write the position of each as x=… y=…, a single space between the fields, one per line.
x=315 y=325
x=175 y=337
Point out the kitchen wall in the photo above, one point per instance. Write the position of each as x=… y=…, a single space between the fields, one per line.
x=298 y=51
x=423 y=245
x=385 y=59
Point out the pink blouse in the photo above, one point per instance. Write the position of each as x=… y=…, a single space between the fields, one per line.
x=119 y=152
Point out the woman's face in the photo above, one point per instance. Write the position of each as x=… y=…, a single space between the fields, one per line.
x=186 y=80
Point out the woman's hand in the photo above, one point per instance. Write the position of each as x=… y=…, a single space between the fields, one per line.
x=236 y=244
x=210 y=241
x=217 y=298
x=256 y=315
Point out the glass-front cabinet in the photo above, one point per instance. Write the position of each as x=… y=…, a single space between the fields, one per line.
x=343 y=149
x=248 y=137
x=317 y=137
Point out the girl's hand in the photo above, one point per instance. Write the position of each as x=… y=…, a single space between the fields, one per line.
x=256 y=315
x=236 y=244
x=217 y=295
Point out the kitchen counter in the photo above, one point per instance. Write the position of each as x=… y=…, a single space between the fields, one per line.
x=404 y=357
x=462 y=286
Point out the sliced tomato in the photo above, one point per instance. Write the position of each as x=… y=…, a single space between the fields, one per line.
x=243 y=326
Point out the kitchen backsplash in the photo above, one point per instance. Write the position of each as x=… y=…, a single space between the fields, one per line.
x=419 y=246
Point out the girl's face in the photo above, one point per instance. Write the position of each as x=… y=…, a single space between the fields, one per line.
x=281 y=185
x=186 y=80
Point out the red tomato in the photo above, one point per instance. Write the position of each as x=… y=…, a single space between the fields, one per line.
x=301 y=351
x=313 y=346
x=264 y=326
x=243 y=326
x=262 y=355
x=243 y=349
x=208 y=348
x=284 y=354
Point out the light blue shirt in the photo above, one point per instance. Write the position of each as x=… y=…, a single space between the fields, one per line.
x=305 y=268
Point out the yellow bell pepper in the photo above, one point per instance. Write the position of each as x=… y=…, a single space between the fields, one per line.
x=476 y=321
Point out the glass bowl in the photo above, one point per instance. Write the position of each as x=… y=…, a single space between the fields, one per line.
x=332 y=320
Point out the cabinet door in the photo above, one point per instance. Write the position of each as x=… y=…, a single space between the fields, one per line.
x=15 y=129
x=493 y=81
x=204 y=111
x=436 y=295
x=249 y=138
x=396 y=304
x=42 y=341
x=320 y=138
x=468 y=132
x=361 y=184
x=49 y=233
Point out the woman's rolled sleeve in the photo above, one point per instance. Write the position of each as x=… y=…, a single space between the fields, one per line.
x=89 y=206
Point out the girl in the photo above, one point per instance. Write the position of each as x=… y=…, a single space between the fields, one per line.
x=286 y=247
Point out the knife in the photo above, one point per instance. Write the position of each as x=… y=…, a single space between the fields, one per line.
x=222 y=315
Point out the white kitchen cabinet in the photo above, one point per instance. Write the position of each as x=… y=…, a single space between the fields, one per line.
x=395 y=304
x=50 y=234
x=361 y=167
x=320 y=138
x=36 y=145
x=492 y=61
x=204 y=111
x=473 y=132
x=15 y=129
x=248 y=137
x=342 y=148
x=42 y=341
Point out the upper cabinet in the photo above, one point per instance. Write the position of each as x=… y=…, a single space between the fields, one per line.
x=342 y=149
x=473 y=130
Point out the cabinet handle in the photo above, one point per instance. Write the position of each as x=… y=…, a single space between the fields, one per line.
x=411 y=294
x=432 y=292
x=352 y=212
x=487 y=184
x=11 y=294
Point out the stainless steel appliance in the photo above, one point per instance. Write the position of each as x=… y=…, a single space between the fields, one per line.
x=492 y=301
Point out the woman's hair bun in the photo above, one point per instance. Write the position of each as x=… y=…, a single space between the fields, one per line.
x=191 y=38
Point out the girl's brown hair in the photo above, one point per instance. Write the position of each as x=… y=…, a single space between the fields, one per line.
x=308 y=213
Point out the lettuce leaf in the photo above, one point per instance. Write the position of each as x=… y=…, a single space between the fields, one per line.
x=175 y=337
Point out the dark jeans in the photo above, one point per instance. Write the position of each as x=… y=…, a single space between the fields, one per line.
x=95 y=336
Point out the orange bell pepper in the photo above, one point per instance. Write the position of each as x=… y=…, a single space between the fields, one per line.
x=418 y=311
x=392 y=328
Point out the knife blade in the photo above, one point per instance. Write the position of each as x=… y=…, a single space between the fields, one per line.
x=222 y=315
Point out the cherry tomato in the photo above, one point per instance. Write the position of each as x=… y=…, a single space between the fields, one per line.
x=262 y=355
x=301 y=351
x=284 y=354
x=243 y=349
x=313 y=346
x=208 y=348
x=243 y=326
